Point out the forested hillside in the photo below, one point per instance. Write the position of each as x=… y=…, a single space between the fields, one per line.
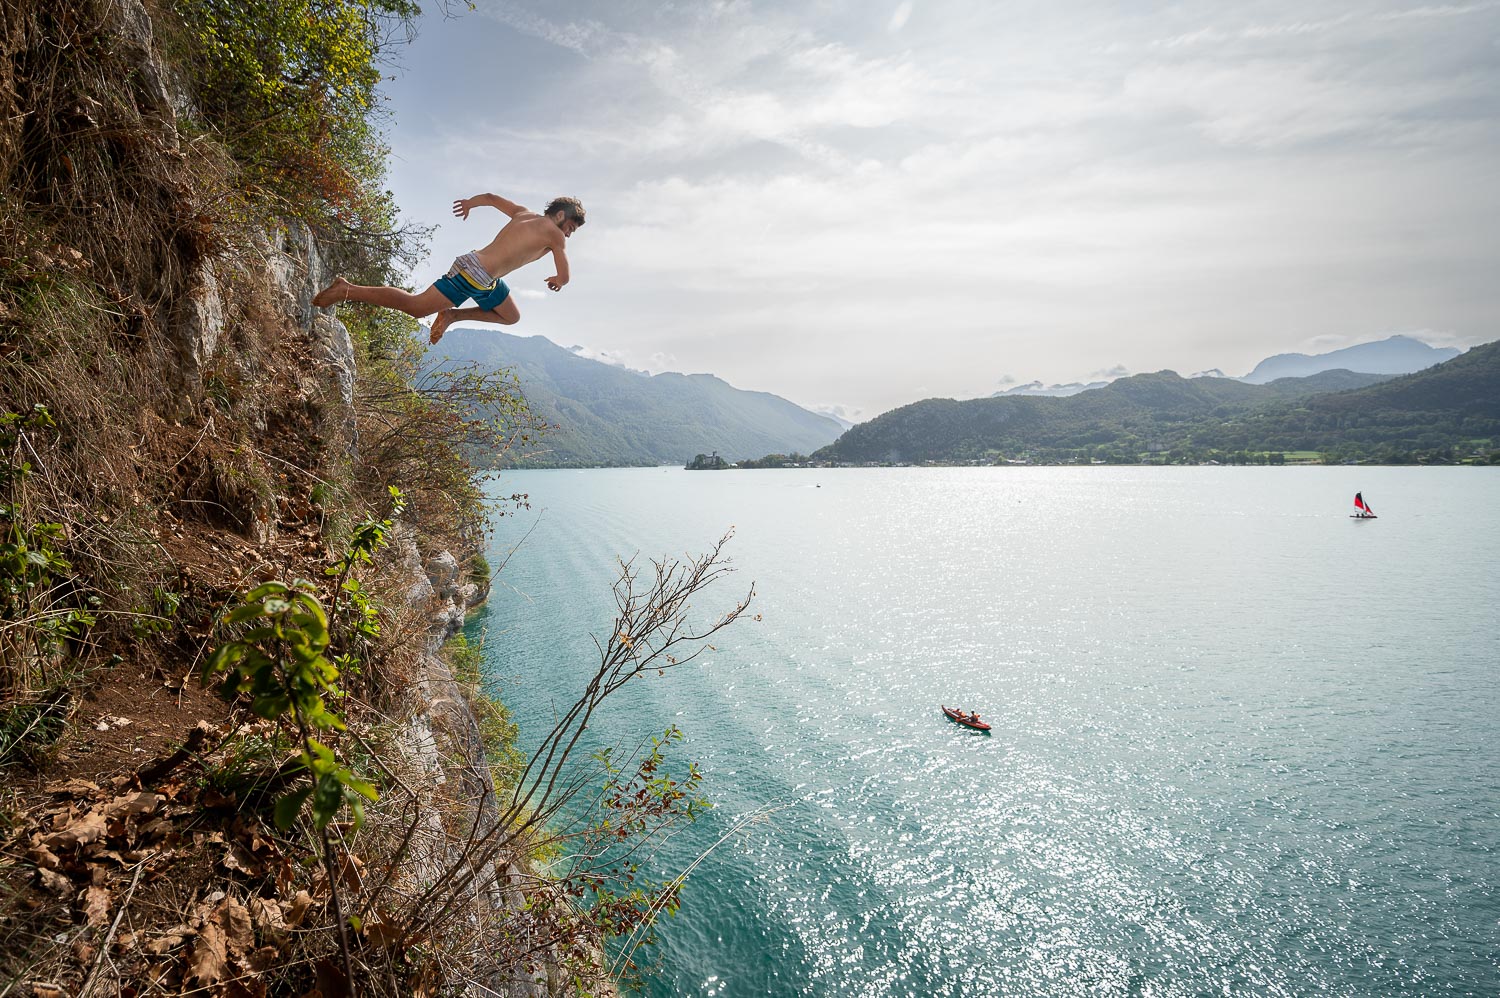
x=597 y=414
x=1442 y=413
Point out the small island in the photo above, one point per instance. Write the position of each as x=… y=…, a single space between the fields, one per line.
x=708 y=462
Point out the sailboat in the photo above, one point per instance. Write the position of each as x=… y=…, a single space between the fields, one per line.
x=1365 y=512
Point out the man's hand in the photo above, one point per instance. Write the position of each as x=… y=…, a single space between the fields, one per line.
x=461 y=208
x=556 y=283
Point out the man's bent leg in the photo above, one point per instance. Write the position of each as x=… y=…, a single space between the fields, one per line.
x=504 y=314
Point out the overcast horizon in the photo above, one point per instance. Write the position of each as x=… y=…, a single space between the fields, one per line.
x=856 y=206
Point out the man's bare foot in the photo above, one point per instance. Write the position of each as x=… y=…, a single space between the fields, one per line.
x=333 y=294
x=440 y=324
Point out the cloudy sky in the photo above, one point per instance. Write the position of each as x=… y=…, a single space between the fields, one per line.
x=860 y=204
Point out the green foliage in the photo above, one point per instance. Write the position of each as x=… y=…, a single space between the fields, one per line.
x=35 y=619
x=156 y=616
x=479 y=570
x=776 y=461
x=620 y=901
x=497 y=731
x=285 y=661
x=387 y=338
x=280 y=662
x=290 y=85
x=29 y=727
x=426 y=432
x=247 y=766
x=352 y=602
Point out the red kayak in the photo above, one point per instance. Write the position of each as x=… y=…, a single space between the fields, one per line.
x=959 y=717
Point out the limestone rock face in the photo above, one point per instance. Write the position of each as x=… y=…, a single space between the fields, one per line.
x=298 y=272
x=469 y=596
x=298 y=269
x=336 y=349
x=442 y=569
x=201 y=323
x=156 y=94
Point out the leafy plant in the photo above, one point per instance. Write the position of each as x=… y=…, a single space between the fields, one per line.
x=354 y=607
x=280 y=662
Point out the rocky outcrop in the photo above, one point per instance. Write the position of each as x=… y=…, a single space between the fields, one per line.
x=201 y=325
x=442 y=737
x=156 y=92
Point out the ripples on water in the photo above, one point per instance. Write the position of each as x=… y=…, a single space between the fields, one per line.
x=1242 y=744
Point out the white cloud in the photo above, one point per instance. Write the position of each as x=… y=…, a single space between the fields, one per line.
x=583 y=37
x=611 y=357
x=910 y=200
x=1267 y=103
x=1441 y=10
x=899 y=16
x=849 y=414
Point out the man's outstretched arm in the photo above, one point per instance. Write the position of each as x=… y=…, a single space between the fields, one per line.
x=461 y=208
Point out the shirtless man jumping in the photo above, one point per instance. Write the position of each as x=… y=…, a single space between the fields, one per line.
x=477 y=275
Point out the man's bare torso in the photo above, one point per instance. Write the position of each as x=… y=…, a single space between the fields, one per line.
x=524 y=239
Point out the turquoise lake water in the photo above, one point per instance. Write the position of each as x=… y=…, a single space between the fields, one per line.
x=1243 y=744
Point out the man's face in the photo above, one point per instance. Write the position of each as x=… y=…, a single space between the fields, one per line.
x=568 y=225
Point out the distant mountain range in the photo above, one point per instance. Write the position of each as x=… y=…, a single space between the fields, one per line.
x=1051 y=391
x=1341 y=413
x=606 y=415
x=1393 y=355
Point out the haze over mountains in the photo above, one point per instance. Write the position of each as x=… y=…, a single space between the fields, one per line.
x=1393 y=355
x=1052 y=391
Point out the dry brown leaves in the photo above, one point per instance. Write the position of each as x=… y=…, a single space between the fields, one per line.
x=92 y=845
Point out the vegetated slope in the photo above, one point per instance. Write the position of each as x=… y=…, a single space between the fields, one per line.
x=1117 y=422
x=610 y=416
x=1453 y=404
x=1393 y=355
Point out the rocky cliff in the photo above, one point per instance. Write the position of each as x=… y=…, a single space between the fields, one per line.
x=179 y=426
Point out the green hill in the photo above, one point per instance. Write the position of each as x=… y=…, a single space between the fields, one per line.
x=1454 y=405
x=1340 y=413
x=605 y=415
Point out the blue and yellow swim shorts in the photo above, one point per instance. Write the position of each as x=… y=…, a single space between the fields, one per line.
x=467 y=279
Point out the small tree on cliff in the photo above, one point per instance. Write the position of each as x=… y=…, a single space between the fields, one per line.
x=595 y=813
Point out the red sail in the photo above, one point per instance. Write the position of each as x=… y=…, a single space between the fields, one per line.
x=1359 y=501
